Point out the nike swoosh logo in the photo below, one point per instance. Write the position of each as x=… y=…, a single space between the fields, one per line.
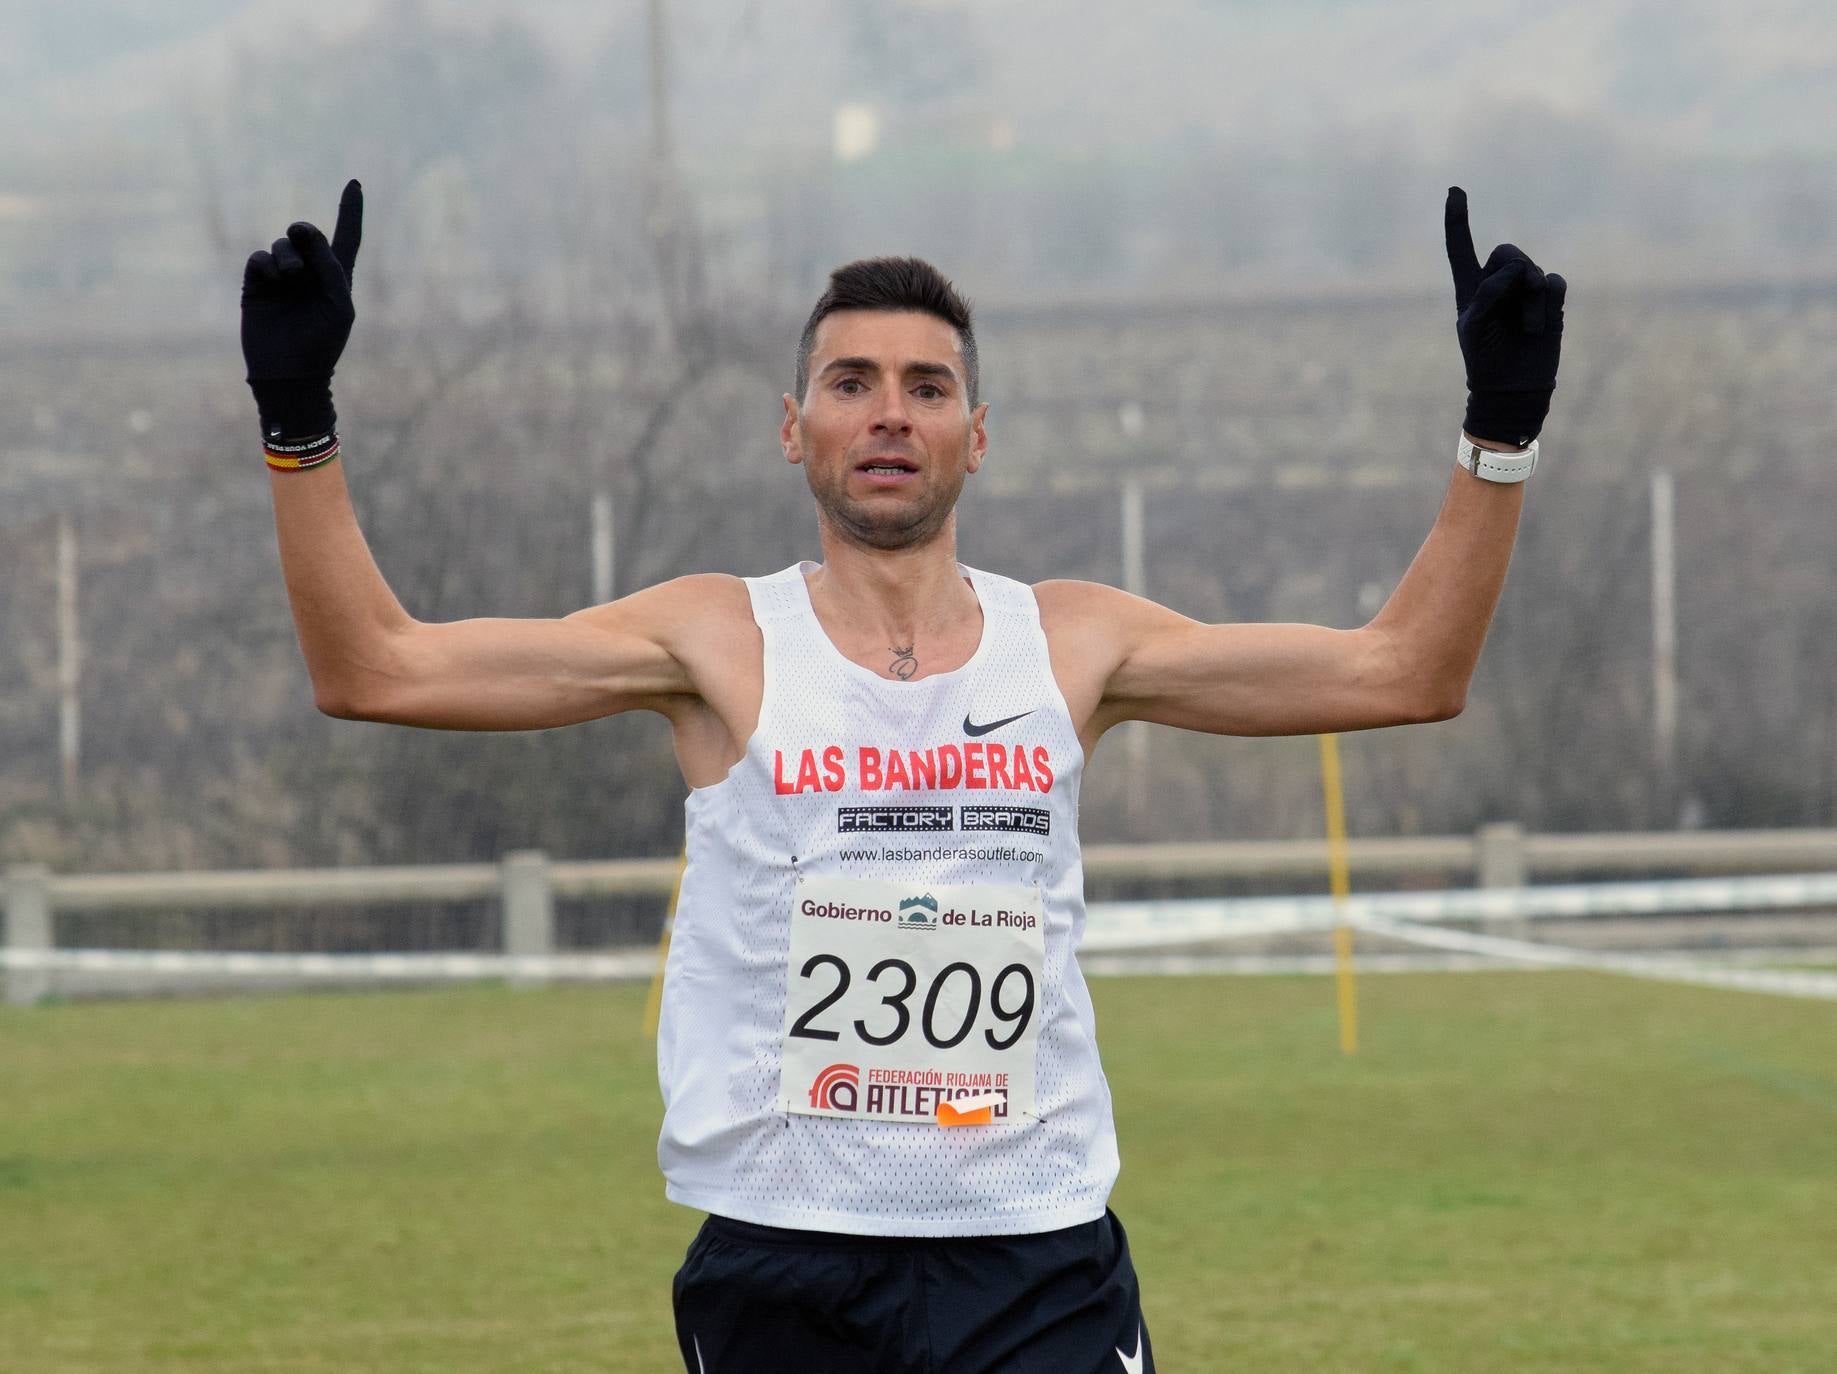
x=973 y=730
x=1132 y=1363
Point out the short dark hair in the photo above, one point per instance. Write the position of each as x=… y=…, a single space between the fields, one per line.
x=892 y=284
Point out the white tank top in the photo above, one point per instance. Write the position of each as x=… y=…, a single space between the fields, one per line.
x=879 y=915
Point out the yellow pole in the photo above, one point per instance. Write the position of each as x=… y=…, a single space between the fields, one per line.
x=653 y=1004
x=1341 y=879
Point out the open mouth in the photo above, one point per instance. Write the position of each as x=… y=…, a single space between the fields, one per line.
x=887 y=467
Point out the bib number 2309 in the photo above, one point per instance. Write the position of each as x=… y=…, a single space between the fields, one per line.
x=912 y=1003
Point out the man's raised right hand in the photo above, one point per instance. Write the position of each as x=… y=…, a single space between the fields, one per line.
x=296 y=317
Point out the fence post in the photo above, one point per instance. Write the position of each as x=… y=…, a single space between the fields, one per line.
x=1499 y=850
x=1500 y=846
x=529 y=908
x=28 y=929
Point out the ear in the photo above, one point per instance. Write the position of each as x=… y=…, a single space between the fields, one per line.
x=788 y=437
x=979 y=436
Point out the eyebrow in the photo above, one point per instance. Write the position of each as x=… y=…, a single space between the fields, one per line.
x=860 y=364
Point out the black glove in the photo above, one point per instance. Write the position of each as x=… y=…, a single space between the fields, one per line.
x=1509 y=319
x=296 y=316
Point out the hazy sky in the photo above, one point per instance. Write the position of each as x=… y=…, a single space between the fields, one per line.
x=1732 y=77
x=1651 y=139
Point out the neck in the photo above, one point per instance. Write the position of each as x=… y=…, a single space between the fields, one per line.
x=899 y=595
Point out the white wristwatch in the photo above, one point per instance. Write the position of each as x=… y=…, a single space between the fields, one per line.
x=1492 y=466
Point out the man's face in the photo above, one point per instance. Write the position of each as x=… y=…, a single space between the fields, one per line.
x=885 y=432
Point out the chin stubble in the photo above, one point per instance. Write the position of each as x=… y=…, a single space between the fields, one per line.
x=851 y=518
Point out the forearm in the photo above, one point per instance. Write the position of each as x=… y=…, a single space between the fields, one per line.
x=343 y=610
x=1509 y=321
x=1435 y=623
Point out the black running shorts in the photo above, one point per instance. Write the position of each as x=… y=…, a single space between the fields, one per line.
x=760 y=1300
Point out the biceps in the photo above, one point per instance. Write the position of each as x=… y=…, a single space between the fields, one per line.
x=1259 y=679
x=500 y=674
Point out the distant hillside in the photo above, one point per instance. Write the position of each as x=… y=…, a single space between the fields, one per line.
x=1056 y=147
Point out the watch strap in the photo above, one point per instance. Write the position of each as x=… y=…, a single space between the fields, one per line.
x=1489 y=465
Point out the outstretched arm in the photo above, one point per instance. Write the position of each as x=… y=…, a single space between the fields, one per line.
x=1122 y=658
x=1411 y=664
x=369 y=659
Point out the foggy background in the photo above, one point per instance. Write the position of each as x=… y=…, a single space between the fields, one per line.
x=1204 y=241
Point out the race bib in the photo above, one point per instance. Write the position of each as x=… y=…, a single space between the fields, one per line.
x=907 y=1002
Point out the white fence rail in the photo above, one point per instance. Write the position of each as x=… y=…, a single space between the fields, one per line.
x=1158 y=925
x=1501 y=858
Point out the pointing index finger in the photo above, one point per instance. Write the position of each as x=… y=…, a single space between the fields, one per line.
x=349 y=232
x=1464 y=262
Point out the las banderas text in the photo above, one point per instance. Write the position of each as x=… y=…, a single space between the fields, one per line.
x=973 y=765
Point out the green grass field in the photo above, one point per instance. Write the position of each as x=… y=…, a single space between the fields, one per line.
x=1534 y=1172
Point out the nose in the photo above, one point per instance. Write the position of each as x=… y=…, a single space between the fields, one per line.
x=890 y=415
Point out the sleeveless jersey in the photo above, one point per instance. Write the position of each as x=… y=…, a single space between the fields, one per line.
x=878 y=919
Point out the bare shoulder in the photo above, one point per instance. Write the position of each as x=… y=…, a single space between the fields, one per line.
x=1091 y=630
x=1094 y=614
x=1066 y=597
x=704 y=623
x=680 y=613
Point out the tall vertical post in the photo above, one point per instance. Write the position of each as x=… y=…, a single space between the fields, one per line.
x=660 y=85
x=69 y=659
x=1664 y=635
x=1135 y=581
x=1135 y=576
x=602 y=547
x=28 y=931
x=1339 y=877
x=663 y=219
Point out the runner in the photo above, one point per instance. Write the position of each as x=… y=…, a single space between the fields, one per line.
x=877 y=1053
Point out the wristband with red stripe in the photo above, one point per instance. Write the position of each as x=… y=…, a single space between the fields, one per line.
x=297 y=455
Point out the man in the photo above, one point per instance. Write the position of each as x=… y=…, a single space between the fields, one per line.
x=877 y=1051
